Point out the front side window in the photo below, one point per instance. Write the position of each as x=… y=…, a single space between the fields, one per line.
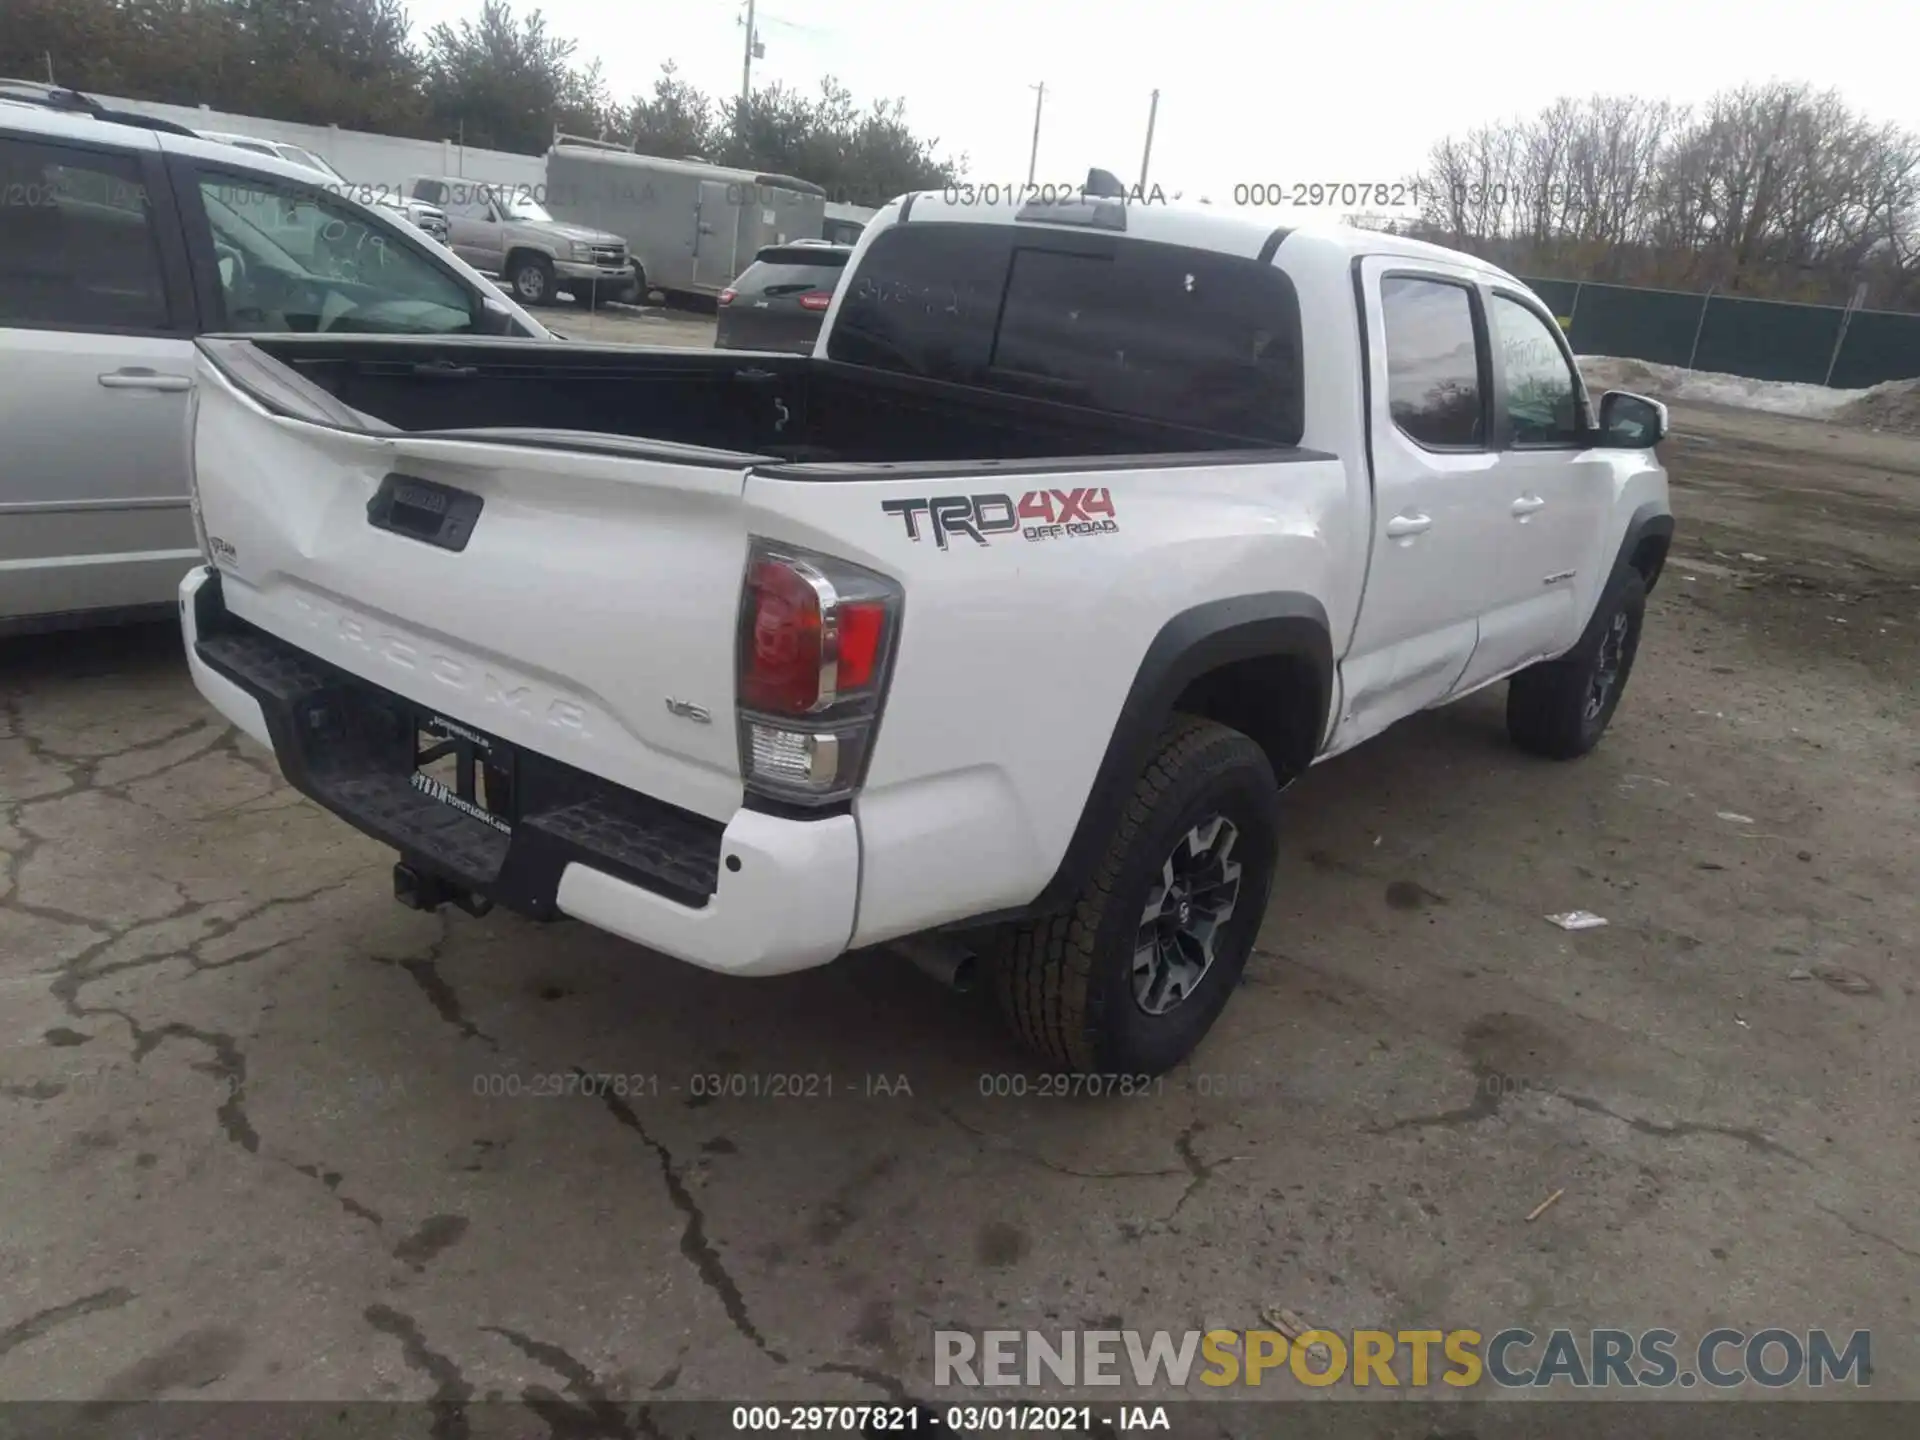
x=519 y=205
x=1433 y=364
x=312 y=162
x=78 y=246
x=1543 y=395
x=300 y=261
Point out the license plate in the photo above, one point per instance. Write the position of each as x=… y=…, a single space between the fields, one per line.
x=460 y=767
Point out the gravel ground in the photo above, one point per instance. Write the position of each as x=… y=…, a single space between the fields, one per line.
x=623 y=326
x=257 y=1142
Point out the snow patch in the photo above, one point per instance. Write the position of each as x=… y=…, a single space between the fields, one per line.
x=1892 y=405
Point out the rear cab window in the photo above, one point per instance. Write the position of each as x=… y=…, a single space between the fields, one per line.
x=1162 y=332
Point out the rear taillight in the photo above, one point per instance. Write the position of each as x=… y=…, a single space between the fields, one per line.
x=816 y=300
x=726 y=296
x=815 y=648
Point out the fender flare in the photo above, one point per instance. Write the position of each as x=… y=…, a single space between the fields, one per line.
x=1283 y=624
x=1650 y=522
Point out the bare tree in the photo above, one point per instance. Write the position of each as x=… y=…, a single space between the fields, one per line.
x=1775 y=190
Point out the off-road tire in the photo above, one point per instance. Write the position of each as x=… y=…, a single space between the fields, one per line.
x=1547 y=704
x=1064 y=981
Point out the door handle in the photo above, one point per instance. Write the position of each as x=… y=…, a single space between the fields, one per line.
x=134 y=378
x=1401 y=526
x=1526 y=505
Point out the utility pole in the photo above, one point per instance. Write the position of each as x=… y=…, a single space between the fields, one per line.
x=754 y=51
x=50 y=79
x=1153 y=113
x=1033 y=155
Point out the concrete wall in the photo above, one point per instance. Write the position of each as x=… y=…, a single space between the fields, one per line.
x=383 y=160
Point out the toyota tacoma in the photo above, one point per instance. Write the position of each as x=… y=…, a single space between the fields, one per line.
x=997 y=622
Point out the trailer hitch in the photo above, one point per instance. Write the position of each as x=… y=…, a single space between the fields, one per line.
x=419 y=891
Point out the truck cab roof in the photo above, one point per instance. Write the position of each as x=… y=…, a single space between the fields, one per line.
x=1229 y=232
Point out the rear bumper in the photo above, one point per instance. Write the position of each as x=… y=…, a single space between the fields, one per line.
x=760 y=895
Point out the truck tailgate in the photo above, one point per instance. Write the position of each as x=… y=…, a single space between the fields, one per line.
x=580 y=605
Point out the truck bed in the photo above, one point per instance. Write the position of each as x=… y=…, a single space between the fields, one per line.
x=792 y=408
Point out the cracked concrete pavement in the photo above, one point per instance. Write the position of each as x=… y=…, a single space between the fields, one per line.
x=269 y=1135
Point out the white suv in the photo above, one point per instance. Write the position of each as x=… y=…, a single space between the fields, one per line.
x=121 y=239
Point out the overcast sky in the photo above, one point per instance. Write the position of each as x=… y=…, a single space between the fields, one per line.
x=1352 y=92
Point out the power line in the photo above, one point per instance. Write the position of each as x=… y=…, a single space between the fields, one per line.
x=804 y=29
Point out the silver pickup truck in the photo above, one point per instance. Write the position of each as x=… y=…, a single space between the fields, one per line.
x=505 y=231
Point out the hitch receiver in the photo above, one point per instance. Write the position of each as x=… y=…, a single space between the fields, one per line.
x=419 y=891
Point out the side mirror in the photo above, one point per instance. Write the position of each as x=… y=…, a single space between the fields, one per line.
x=1631 y=422
x=493 y=318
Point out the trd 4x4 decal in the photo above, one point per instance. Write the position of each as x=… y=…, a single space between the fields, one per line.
x=1037 y=515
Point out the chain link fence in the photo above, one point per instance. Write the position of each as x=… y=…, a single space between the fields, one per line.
x=1763 y=339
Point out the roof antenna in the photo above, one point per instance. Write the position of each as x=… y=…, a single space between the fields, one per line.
x=1103 y=184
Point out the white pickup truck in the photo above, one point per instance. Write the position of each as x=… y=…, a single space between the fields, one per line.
x=1004 y=616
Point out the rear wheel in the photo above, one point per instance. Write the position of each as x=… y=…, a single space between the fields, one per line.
x=1561 y=708
x=1130 y=979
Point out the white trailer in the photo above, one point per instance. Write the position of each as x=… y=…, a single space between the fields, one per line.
x=691 y=226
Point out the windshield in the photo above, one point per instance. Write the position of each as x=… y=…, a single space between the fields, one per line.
x=313 y=162
x=520 y=206
x=296 y=262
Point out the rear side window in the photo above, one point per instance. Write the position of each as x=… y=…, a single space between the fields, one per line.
x=77 y=241
x=1433 y=362
x=1162 y=332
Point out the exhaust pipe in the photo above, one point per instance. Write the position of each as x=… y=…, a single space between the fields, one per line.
x=945 y=959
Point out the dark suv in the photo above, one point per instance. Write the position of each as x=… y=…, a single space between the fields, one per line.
x=779 y=301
